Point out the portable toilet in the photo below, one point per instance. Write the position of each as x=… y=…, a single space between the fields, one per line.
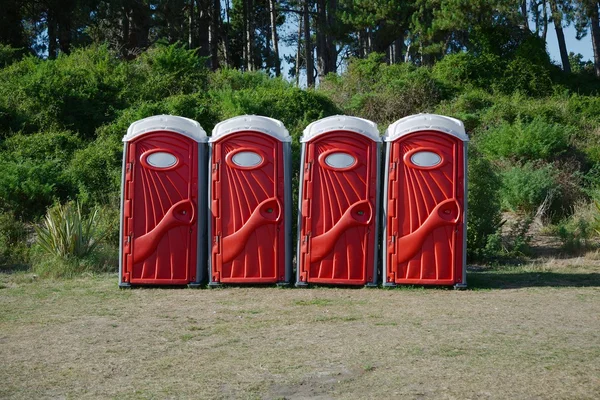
x=425 y=201
x=163 y=221
x=250 y=201
x=338 y=202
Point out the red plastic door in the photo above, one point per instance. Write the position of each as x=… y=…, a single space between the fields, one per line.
x=338 y=209
x=247 y=209
x=160 y=197
x=425 y=209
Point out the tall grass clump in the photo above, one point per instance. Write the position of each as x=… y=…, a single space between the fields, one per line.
x=67 y=242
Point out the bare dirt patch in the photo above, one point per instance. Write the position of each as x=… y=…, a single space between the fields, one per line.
x=520 y=332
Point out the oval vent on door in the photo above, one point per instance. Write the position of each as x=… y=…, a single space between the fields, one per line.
x=425 y=159
x=340 y=160
x=161 y=159
x=246 y=159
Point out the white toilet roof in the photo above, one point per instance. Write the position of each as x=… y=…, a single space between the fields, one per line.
x=270 y=126
x=421 y=122
x=341 y=123
x=184 y=126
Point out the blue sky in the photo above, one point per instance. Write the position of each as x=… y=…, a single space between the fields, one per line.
x=583 y=46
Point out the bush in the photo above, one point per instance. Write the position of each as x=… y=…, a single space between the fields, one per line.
x=13 y=242
x=65 y=232
x=78 y=92
x=9 y=55
x=164 y=71
x=382 y=93
x=525 y=187
x=524 y=141
x=33 y=172
x=483 y=219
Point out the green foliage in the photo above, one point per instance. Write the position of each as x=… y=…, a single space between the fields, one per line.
x=383 y=93
x=535 y=140
x=86 y=89
x=526 y=186
x=66 y=232
x=165 y=71
x=77 y=92
x=70 y=242
x=526 y=69
x=483 y=219
x=34 y=171
x=13 y=242
x=9 y=55
x=462 y=71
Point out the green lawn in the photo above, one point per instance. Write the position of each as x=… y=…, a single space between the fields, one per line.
x=518 y=332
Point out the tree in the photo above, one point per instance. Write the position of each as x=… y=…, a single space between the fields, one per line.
x=557 y=19
x=587 y=16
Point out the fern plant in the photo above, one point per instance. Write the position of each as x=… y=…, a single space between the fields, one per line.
x=66 y=232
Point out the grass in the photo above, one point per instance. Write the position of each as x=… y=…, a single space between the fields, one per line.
x=527 y=331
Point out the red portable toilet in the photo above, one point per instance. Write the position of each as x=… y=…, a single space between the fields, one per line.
x=338 y=202
x=162 y=214
x=425 y=192
x=250 y=201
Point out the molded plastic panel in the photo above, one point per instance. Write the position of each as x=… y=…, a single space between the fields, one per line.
x=425 y=209
x=338 y=209
x=160 y=209
x=247 y=209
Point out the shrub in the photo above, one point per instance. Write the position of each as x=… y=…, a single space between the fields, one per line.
x=9 y=55
x=462 y=71
x=380 y=92
x=13 y=242
x=65 y=232
x=33 y=171
x=526 y=186
x=164 y=71
x=78 y=92
x=483 y=219
x=523 y=141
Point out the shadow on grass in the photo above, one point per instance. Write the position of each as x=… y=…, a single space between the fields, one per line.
x=500 y=279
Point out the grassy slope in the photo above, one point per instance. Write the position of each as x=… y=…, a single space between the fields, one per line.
x=84 y=338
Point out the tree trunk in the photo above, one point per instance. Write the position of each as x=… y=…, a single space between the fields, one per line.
x=203 y=28
x=249 y=34
x=562 y=46
x=299 y=49
x=331 y=50
x=125 y=33
x=321 y=41
x=273 y=13
x=64 y=36
x=398 y=47
x=524 y=15
x=308 y=58
x=595 y=28
x=226 y=52
x=51 y=22
x=545 y=21
x=191 y=24
x=214 y=34
x=139 y=28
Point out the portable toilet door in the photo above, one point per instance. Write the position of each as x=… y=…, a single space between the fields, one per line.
x=338 y=202
x=162 y=215
x=425 y=204
x=250 y=201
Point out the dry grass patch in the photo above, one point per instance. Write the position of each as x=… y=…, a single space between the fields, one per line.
x=84 y=338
